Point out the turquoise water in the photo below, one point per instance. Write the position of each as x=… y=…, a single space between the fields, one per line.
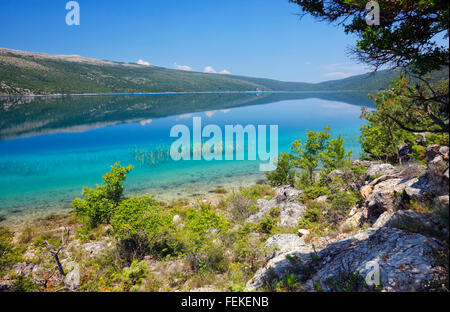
x=51 y=148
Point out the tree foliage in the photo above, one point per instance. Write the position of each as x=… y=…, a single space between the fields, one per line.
x=402 y=118
x=308 y=154
x=405 y=37
x=100 y=203
x=335 y=156
x=284 y=173
x=317 y=150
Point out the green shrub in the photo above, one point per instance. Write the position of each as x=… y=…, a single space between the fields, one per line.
x=241 y=207
x=341 y=200
x=215 y=260
x=142 y=226
x=348 y=282
x=242 y=204
x=284 y=173
x=314 y=218
x=306 y=155
x=24 y=283
x=268 y=223
x=248 y=250
x=9 y=254
x=200 y=224
x=133 y=277
x=99 y=204
x=203 y=229
x=335 y=156
x=314 y=191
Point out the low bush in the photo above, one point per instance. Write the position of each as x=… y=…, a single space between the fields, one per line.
x=99 y=204
x=9 y=254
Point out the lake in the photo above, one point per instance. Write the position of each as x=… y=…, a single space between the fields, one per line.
x=50 y=147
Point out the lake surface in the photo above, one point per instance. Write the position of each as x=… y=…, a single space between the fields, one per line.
x=51 y=147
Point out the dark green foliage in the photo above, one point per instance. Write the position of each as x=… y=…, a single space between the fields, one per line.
x=133 y=277
x=9 y=254
x=405 y=36
x=335 y=156
x=143 y=226
x=314 y=191
x=308 y=154
x=248 y=250
x=348 y=282
x=268 y=223
x=382 y=135
x=289 y=283
x=314 y=219
x=284 y=173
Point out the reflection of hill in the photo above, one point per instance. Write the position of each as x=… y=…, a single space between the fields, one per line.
x=23 y=117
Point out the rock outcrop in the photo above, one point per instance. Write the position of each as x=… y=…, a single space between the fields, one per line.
x=401 y=260
x=286 y=199
x=413 y=182
x=397 y=252
x=438 y=166
x=282 y=243
x=380 y=169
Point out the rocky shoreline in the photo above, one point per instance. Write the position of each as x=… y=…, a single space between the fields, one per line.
x=400 y=242
x=392 y=238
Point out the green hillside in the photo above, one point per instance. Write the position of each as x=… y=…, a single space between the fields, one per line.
x=25 y=73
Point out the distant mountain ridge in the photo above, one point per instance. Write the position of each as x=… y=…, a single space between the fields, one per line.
x=29 y=73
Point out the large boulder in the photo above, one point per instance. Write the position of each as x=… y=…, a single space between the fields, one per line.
x=392 y=192
x=290 y=211
x=287 y=192
x=386 y=195
x=399 y=261
x=380 y=169
x=438 y=166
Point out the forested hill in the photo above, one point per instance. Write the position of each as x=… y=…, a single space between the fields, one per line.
x=26 y=73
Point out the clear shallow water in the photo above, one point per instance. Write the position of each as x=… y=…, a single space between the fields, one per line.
x=51 y=148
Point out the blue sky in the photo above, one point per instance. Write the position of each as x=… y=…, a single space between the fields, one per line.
x=260 y=38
